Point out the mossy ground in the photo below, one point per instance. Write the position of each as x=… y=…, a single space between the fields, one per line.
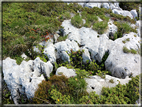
x=26 y=24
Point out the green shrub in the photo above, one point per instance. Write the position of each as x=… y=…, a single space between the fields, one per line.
x=42 y=94
x=62 y=38
x=94 y=97
x=77 y=87
x=67 y=15
x=104 y=18
x=76 y=58
x=126 y=50
x=77 y=21
x=123 y=28
x=90 y=19
x=59 y=98
x=100 y=27
x=85 y=100
x=115 y=36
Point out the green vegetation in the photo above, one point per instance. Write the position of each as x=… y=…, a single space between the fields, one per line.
x=126 y=50
x=73 y=92
x=77 y=21
x=6 y=94
x=133 y=51
x=123 y=28
x=62 y=38
x=59 y=89
x=27 y=24
x=100 y=27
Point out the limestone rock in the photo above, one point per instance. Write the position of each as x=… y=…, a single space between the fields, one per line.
x=122 y=12
x=91 y=5
x=123 y=64
x=67 y=72
x=64 y=48
x=24 y=78
x=105 y=5
x=86 y=56
x=49 y=51
x=96 y=83
x=24 y=56
x=134 y=13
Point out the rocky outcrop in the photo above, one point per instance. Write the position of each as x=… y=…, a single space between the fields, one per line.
x=122 y=64
x=49 y=51
x=64 y=48
x=96 y=83
x=64 y=71
x=24 y=78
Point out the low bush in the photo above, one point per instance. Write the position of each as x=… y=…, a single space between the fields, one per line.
x=123 y=28
x=59 y=98
x=90 y=20
x=62 y=38
x=100 y=27
x=77 y=21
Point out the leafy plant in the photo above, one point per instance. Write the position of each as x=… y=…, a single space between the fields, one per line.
x=62 y=38
x=59 y=98
x=77 y=21
x=100 y=27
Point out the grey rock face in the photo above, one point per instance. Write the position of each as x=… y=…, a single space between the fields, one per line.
x=64 y=71
x=86 y=56
x=49 y=51
x=97 y=45
x=134 y=13
x=122 y=12
x=64 y=48
x=122 y=64
x=24 y=78
x=96 y=83
x=105 y=5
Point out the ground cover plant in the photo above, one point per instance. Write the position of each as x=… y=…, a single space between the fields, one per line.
x=121 y=94
x=126 y=50
x=27 y=24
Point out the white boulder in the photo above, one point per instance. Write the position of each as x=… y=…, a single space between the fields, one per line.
x=64 y=71
x=49 y=51
x=91 y=5
x=106 y=5
x=122 y=12
x=86 y=56
x=127 y=13
x=64 y=48
x=134 y=13
x=96 y=83
x=122 y=64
